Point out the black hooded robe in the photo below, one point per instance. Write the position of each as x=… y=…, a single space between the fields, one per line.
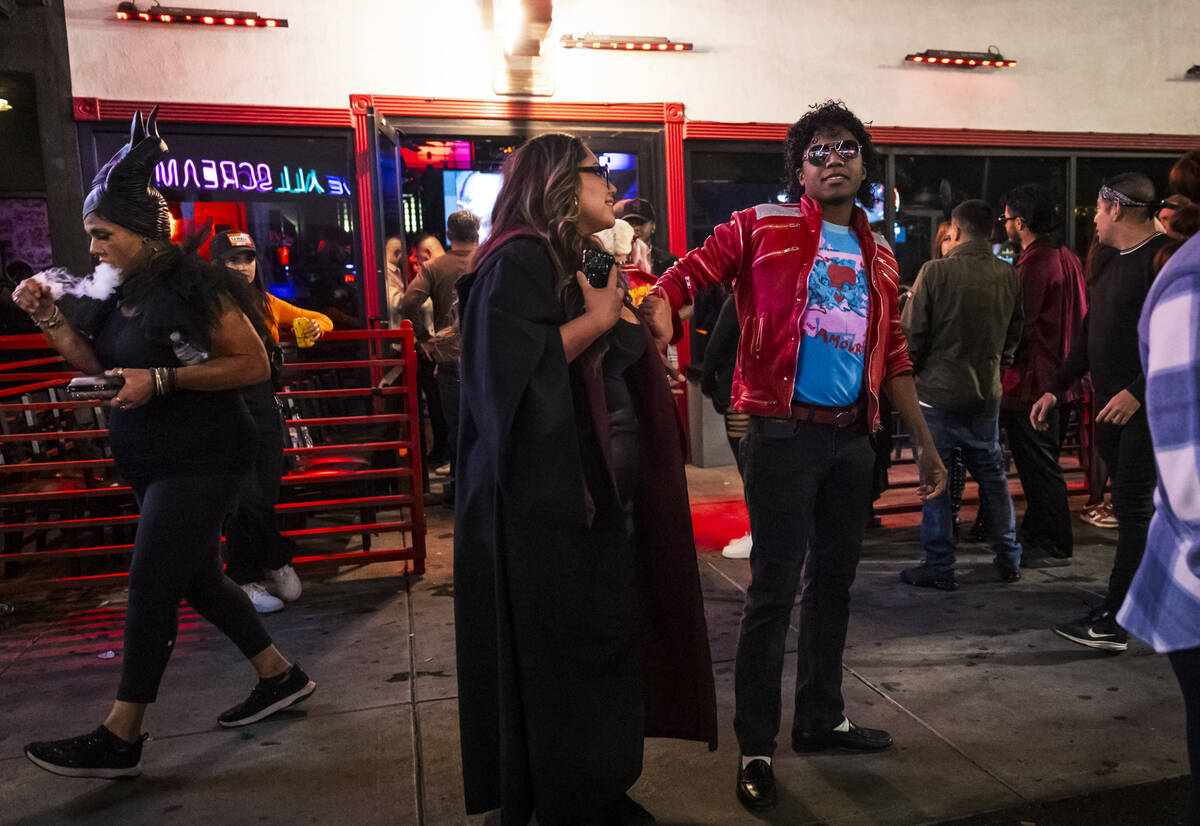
x=573 y=644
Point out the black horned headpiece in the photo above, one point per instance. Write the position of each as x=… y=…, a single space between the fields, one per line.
x=123 y=192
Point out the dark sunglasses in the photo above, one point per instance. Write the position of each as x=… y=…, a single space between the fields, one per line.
x=599 y=170
x=818 y=154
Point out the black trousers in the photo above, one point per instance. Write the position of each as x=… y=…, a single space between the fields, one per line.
x=808 y=491
x=176 y=556
x=252 y=540
x=1187 y=670
x=1046 y=527
x=1129 y=454
x=428 y=384
x=449 y=386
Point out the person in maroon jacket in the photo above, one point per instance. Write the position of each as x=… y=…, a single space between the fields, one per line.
x=816 y=299
x=1054 y=297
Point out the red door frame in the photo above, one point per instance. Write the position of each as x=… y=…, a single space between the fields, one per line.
x=669 y=115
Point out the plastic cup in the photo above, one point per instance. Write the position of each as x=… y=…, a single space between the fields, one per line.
x=302 y=327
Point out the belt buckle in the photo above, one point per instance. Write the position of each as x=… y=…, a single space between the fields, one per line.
x=845 y=418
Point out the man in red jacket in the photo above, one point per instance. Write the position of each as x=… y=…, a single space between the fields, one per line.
x=816 y=298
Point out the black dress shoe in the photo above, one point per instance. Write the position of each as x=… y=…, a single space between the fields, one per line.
x=1008 y=573
x=756 y=786
x=925 y=577
x=1041 y=559
x=856 y=739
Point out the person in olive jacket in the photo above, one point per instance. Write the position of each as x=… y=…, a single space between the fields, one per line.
x=963 y=324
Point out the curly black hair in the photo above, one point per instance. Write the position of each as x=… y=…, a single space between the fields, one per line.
x=821 y=117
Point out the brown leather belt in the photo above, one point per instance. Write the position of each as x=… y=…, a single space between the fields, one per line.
x=838 y=417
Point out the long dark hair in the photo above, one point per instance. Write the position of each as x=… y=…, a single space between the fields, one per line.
x=259 y=290
x=540 y=195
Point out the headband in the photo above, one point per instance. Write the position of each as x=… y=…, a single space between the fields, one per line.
x=1107 y=193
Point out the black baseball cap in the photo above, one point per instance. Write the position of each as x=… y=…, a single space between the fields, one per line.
x=229 y=243
x=634 y=210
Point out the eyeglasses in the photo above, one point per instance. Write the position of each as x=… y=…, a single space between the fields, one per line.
x=1004 y=219
x=599 y=170
x=818 y=154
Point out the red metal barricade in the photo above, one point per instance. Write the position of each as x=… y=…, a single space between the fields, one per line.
x=354 y=455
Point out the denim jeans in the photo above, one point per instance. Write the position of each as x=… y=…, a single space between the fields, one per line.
x=978 y=436
x=808 y=490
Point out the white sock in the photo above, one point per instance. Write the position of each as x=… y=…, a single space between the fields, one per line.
x=746 y=758
x=844 y=725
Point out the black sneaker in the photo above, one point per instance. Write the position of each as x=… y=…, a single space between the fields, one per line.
x=270 y=696
x=1042 y=559
x=925 y=577
x=98 y=753
x=1098 y=629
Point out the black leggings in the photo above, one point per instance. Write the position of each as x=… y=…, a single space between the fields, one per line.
x=1187 y=671
x=176 y=556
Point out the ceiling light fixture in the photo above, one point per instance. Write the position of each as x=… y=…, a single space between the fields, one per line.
x=991 y=59
x=622 y=43
x=1193 y=73
x=198 y=17
x=5 y=106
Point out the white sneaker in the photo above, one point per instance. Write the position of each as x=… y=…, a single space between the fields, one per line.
x=738 y=548
x=263 y=602
x=287 y=584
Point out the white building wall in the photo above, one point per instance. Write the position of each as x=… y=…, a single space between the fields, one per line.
x=1083 y=65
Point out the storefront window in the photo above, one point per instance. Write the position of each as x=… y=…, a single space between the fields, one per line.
x=442 y=176
x=930 y=185
x=722 y=182
x=291 y=192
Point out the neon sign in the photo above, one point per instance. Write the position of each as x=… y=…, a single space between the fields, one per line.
x=245 y=176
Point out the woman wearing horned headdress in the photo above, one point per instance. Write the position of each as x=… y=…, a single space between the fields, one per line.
x=180 y=435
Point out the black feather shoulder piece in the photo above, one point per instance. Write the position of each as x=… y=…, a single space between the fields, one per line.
x=178 y=291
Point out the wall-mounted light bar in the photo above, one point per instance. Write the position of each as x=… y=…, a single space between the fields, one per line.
x=623 y=44
x=198 y=17
x=962 y=60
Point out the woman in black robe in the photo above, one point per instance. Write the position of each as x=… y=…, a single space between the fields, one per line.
x=579 y=620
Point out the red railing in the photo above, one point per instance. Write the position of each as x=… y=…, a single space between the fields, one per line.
x=354 y=462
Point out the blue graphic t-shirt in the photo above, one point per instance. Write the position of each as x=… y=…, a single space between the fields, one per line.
x=833 y=346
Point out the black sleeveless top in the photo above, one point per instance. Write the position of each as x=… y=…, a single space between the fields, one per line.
x=626 y=344
x=185 y=433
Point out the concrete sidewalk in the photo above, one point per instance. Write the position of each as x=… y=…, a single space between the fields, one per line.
x=988 y=708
